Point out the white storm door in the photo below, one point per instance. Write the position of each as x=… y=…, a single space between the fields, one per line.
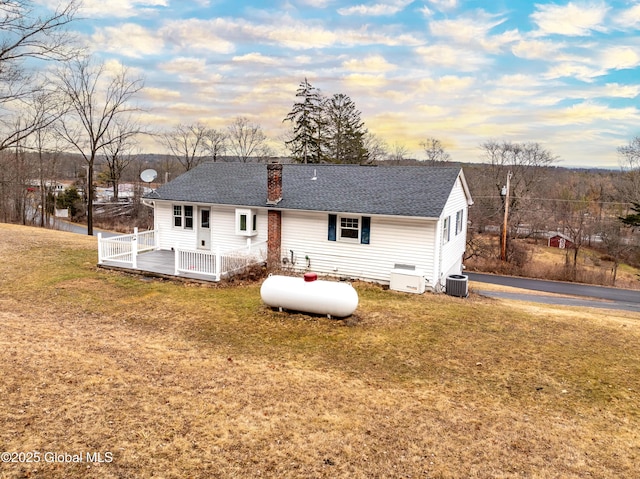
x=204 y=228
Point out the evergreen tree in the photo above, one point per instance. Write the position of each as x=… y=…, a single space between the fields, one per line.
x=69 y=198
x=632 y=219
x=308 y=125
x=346 y=131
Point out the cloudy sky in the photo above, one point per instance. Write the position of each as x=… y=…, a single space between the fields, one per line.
x=564 y=74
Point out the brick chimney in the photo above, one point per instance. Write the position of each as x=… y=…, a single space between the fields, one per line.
x=274 y=183
x=274 y=238
x=274 y=217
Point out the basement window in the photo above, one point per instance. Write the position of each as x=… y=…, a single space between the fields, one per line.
x=246 y=222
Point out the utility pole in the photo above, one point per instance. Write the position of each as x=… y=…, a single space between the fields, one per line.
x=503 y=240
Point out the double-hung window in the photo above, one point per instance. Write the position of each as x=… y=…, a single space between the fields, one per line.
x=350 y=229
x=188 y=217
x=446 y=226
x=183 y=216
x=177 y=216
x=459 y=221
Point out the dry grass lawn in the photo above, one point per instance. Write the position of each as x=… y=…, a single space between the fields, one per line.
x=171 y=380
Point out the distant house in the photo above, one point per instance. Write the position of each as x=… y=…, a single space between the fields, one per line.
x=357 y=222
x=559 y=240
x=55 y=187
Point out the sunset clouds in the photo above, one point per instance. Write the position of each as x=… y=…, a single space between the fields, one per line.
x=565 y=74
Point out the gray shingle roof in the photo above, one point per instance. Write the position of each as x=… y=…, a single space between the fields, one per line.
x=385 y=190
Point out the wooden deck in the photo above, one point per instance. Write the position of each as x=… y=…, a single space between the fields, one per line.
x=159 y=263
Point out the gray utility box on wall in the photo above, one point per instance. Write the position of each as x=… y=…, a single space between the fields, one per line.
x=458 y=285
x=407 y=279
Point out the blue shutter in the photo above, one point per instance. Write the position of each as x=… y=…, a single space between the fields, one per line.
x=366 y=228
x=333 y=220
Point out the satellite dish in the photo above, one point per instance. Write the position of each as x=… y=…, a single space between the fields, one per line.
x=148 y=175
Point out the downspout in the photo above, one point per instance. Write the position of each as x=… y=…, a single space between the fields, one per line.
x=439 y=284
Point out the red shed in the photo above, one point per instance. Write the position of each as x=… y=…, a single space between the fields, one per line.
x=558 y=240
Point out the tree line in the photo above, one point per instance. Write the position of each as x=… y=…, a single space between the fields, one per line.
x=593 y=208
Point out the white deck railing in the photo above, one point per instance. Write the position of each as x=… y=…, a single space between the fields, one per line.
x=215 y=264
x=198 y=262
x=238 y=259
x=147 y=241
x=125 y=248
x=218 y=264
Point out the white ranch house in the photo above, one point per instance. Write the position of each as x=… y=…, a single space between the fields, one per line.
x=355 y=222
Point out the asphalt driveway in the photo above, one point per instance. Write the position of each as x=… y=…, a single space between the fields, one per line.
x=584 y=295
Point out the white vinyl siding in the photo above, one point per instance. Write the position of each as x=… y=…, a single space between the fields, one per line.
x=392 y=241
x=452 y=252
x=222 y=221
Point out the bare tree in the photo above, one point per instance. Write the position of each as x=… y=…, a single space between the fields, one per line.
x=247 y=140
x=98 y=100
x=27 y=170
x=43 y=143
x=435 y=151
x=376 y=147
x=187 y=144
x=16 y=171
x=25 y=37
x=526 y=161
x=615 y=244
x=572 y=212
x=527 y=165
x=215 y=143
x=48 y=155
x=398 y=153
x=119 y=152
x=631 y=167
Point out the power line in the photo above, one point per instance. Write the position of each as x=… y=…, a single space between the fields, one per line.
x=561 y=200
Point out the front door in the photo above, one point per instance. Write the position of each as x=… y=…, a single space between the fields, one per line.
x=204 y=229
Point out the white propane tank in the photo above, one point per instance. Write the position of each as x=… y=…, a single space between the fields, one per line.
x=309 y=295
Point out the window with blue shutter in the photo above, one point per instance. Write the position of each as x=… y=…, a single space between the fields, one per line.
x=366 y=228
x=351 y=229
x=333 y=221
